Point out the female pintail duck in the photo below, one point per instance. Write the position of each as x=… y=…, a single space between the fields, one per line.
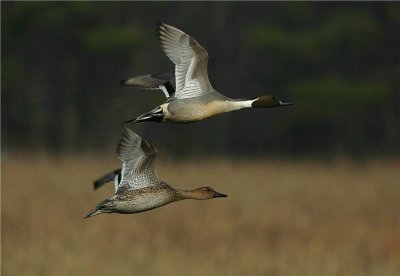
x=137 y=186
x=190 y=96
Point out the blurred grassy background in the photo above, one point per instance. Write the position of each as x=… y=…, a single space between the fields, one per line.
x=280 y=218
x=313 y=188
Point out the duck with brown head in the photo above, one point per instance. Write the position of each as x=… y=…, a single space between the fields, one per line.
x=137 y=186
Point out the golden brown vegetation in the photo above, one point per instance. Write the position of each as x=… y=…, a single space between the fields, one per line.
x=280 y=218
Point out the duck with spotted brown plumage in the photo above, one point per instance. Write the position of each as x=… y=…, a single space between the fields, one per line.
x=137 y=186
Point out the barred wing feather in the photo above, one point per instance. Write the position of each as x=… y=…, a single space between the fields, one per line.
x=190 y=59
x=137 y=156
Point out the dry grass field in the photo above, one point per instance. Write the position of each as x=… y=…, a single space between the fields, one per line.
x=280 y=218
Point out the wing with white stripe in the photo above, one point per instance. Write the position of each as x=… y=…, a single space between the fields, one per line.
x=163 y=81
x=137 y=156
x=190 y=59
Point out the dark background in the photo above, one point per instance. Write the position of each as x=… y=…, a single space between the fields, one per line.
x=338 y=62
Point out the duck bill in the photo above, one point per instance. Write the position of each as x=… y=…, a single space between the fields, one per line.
x=283 y=103
x=219 y=195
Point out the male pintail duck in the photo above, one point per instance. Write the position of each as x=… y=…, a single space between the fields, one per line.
x=137 y=186
x=190 y=96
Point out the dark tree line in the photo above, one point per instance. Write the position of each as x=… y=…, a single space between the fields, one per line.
x=338 y=62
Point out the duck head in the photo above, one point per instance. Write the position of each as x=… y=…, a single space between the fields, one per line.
x=268 y=102
x=205 y=193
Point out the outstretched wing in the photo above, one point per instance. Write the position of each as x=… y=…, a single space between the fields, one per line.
x=163 y=81
x=137 y=156
x=190 y=59
x=107 y=178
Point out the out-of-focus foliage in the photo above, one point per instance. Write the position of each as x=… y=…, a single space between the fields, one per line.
x=344 y=71
x=338 y=62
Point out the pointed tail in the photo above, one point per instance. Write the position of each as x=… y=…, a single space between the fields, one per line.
x=106 y=206
x=155 y=115
x=93 y=213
